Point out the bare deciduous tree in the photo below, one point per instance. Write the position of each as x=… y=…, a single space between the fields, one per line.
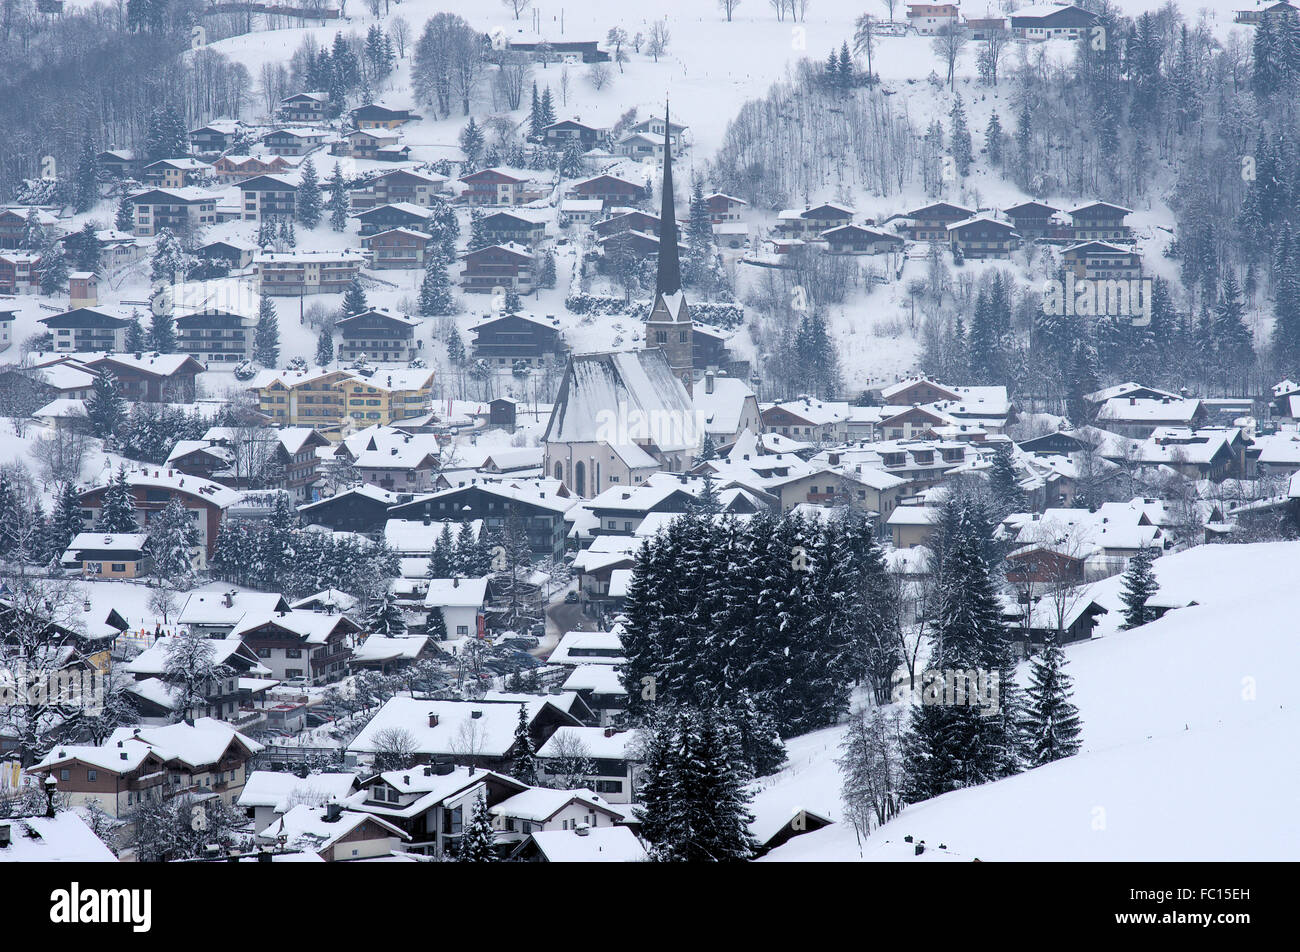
x=598 y=75
x=728 y=7
x=947 y=44
x=657 y=45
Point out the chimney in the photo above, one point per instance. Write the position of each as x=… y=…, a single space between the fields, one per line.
x=708 y=382
x=475 y=714
x=1132 y=401
x=228 y=599
x=433 y=719
x=610 y=731
x=333 y=811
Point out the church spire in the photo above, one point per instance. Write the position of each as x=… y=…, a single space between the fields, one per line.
x=669 y=279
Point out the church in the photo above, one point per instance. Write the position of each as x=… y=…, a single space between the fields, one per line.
x=621 y=416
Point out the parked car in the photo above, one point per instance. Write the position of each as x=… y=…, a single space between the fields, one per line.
x=571 y=598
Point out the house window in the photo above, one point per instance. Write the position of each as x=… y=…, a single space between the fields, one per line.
x=293 y=652
x=292 y=673
x=92 y=775
x=65 y=774
x=462 y=629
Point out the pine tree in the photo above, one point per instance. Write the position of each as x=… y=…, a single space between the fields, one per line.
x=471 y=141
x=436 y=298
x=105 y=408
x=117 y=510
x=124 y=219
x=65 y=520
x=325 y=347
x=478 y=838
x=385 y=617
x=548 y=108
x=1052 y=724
x=846 y=66
x=10 y=520
x=435 y=626
x=308 y=198
x=87 y=180
x=339 y=202
x=354 y=299
x=1139 y=585
x=162 y=332
x=535 y=124
x=455 y=348
x=168 y=261
x=993 y=139
x=442 y=556
x=171 y=539
x=54 y=270
x=960 y=143
x=524 y=765
x=266 y=338
x=1235 y=343
x=1004 y=481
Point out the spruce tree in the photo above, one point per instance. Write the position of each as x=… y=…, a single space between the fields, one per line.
x=339 y=202
x=105 y=408
x=435 y=626
x=354 y=299
x=65 y=520
x=1004 y=482
x=385 y=617
x=171 y=539
x=135 y=337
x=325 y=347
x=993 y=136
x=1139 y=585
x=124 y=219
x=1052 y=725
x=960 y=143
x=443 y=554
x=117 y=510
x=162 y=332
x=524 y=765
x=477 y=840
x=54 y=270
x=436 y=298
x=266 y=338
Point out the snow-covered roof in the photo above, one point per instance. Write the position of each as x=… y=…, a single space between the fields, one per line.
x=62 y=838
x=456 y=593
x=599 y=742
x=596 y=678
x=278 y=790
x=539 y=804
x=614 y=844
x=306 y=827
x=458 y=729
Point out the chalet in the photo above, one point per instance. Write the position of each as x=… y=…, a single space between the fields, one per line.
x=267 y=198
x=358 y=509
x=611 y=190
x=230 y=253
x=911 y=526
x=928 y=19
x=333 y=834
x=808 y=419
x=630 y=220
x=432 y=803
x=20 y=272
x=724 y=208
x=118 y=163
x=389 y=655
x=1100 y=221
x=1215 y=453
x=508 y=266
x=655 y=126
x=439 y=729
x=461 y=601
x=235 y=168
x=494 y=187
x=220 y=695
x=504 y=339
x=294 y=140
x=364 y=143
x=1052 y=22
x=396 y=249
x=107 y=555
x=540 y=505
x=215 y=137
x=709 y=347
x=1030 y=622
x=1275 y=12
x=811 y=221
x=543 y=809
x=1139 y=417
x=615 y=844
x=269 y=794
x=1033 y=219
x=985 y=27
x=560 y=134
x=305 y=107
x=299 y=644
x=500 y=228
x=151 y=378
x=856 y=240
x=603 y=692
x=174 y=173
x=400 y=215
x=638 y=244
x=641 y=146
x=329 y=398
x=379 y=334
x=381 y=117
x=1100 y=260
x=580 y=211
x=726 y=407
x=216 y=336
x=138 y=764
x=931 y=222
x=153 y=488
x=182 y=211
x=13 y=225
x=982 y=237
x=400 y=186
x=87 y=329
x=307 y=272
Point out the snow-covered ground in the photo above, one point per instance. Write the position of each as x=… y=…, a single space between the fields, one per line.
x=1189 y=727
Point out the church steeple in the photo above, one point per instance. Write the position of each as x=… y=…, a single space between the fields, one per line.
x=669 y=279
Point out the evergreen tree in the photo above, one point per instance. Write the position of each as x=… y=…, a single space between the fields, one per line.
x=171 y=538
x=436 y=298
x=325 y=347
x=162 y=332
x=308 y=199
x=435 y=626
x=524 y=765
x=993 y=137
x=354 y=299
x=535 y=124
x=455 y=348
x=1139 y=585
x=124 y=219
x=1235 y=343
x=117 y=511
x=65 y=520
x=105 y=408
x=266 y=338
x=166 y=136
x=1005 y=482
x=87 y=180
x=478 y=838
x=1052 y=724
x=385 y=617
x=10 y=520
x=442 y=556
x=471 y=141
x=339 y=203
x=846 y=66
x=54 y=270
x=168 y=261
x=960 y=143
x=548 y=108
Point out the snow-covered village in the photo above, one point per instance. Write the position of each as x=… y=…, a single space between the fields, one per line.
x=681 y=431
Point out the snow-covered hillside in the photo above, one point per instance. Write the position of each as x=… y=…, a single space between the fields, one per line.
x=1189 y=727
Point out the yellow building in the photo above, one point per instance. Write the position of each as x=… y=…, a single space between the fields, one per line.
x=330 y=399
